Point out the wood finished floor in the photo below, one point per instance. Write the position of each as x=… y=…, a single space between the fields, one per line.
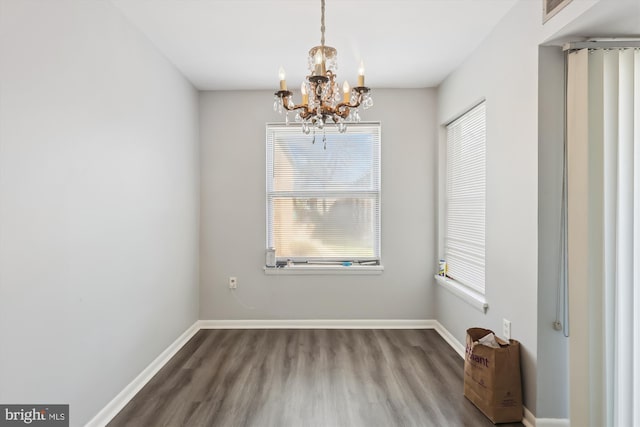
x=324 y=378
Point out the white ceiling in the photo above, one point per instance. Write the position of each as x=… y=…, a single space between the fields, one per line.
x=240 y=44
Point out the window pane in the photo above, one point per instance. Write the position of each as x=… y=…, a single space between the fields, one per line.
x=347 y=164
x=341 y=228
x=465 y=199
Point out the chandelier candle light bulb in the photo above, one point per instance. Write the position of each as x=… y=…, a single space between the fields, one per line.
x=283 y=82
x=347 y=92
x=361 y=74
x=320 y=68
x=305 y=95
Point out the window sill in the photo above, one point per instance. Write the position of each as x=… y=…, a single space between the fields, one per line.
x=471 y=297
x=325 y=270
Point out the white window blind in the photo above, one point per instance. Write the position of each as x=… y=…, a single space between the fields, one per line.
x=465 y=199
x=603 y=170
x=324 y=204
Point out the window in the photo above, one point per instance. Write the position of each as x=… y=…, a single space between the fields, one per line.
x=464 y=244
x=323 y=205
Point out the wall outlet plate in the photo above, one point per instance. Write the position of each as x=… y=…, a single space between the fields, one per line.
x=506 y=329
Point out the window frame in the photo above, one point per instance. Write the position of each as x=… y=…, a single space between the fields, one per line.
x=325 y=264
x=472 y=293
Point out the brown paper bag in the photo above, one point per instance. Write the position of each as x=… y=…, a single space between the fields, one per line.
x=492 y=377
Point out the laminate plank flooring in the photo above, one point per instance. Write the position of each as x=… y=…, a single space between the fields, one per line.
x=315 y=377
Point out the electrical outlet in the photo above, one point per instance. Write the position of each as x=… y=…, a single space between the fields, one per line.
x=506 y=329
x=233 y=282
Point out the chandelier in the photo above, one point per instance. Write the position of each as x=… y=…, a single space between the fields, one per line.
x=322 y=100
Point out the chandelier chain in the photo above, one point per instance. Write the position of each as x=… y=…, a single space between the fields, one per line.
x=322 y=25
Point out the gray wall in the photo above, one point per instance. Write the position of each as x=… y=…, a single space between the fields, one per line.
x=98 y=204
x=553 y=382
x=233 y=216
x=509 y=83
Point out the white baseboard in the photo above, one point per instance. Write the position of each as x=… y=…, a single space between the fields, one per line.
x=319 y=324
x=449 y=338
x=552 y=422
x=529 y=419
x=107 y=413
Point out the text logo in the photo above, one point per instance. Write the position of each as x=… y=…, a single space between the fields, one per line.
x=34 y=415
x=471 y=356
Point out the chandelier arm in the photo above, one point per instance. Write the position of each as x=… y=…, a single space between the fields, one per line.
x=350 y=105
x=343 y=109
x=347 y=105
x=296 y=107
x=305 y=113
x=342 y=114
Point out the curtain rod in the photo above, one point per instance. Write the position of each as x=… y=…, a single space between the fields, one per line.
x=602 y=44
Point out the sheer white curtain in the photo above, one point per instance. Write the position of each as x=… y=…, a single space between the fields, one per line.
x=603 y=137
